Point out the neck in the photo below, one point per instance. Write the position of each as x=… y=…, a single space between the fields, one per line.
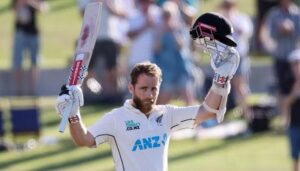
x=145 y=111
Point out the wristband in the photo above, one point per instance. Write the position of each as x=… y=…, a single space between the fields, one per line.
x=209 y=109
x=74 y=119
x=223 y=91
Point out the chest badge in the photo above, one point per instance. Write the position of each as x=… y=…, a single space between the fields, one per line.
x=159 y=120
x=131 y=125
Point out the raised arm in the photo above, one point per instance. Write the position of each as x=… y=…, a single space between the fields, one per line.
x=80 y=135
x=72 y=97
x=214 y=105
x=149 y=23
x=213 y=33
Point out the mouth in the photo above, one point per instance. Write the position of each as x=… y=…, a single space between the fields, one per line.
x=148 y=101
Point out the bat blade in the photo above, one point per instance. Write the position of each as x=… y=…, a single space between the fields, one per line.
x=84 y=49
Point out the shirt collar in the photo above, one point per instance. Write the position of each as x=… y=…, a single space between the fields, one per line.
x=128 y=105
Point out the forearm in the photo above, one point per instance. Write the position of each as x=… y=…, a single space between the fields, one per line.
x=214 y=105
x=213 y=100
x=114 y=10
x=69 y=100
x=134 y=33
x=80 y=135
x=204 y=115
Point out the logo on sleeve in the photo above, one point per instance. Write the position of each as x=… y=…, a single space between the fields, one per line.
x=150 y=142
x=131 y=125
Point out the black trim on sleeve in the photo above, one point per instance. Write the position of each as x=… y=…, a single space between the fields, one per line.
x=181 y=122
x=187 y=120
x=116 y=145
x=174 y=126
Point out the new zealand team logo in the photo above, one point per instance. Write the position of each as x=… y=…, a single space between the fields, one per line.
x=159 y=120
x=131 y=125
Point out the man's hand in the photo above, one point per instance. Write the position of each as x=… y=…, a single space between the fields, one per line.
x=225 y=66
x=69 y=97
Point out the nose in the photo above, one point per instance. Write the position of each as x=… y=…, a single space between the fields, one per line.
x=149 y=94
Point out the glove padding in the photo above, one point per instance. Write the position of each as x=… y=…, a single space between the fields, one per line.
x=70 y=97
x=225 y=66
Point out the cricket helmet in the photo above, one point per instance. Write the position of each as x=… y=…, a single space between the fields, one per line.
x=213 y=26
x=213 y=33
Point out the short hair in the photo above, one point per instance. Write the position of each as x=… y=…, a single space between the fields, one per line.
x=147 y=68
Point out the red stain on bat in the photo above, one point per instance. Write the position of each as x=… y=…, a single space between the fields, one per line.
x=85 y=35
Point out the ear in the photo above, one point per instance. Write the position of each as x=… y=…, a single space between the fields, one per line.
x=130 y=88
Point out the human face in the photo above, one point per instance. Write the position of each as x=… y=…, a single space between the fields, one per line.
x=145 y=4
x=145 y=92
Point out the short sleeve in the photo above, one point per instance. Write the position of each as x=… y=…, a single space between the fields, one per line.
x=103 y=129
x=182 y=117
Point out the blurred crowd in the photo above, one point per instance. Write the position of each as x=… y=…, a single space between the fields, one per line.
x=132 y=31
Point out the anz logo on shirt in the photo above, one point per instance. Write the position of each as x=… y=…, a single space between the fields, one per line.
x=131 y=125
x=150 y=142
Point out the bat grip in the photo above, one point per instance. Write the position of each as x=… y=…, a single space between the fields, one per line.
x=72 y=81
x=64 y=119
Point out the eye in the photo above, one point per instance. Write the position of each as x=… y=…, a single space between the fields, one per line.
x=144 y=88
x=154 y=89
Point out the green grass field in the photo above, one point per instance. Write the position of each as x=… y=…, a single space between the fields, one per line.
x=59 y=29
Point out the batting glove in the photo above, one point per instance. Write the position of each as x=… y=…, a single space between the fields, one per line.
x=70 y=97
x=226 y=66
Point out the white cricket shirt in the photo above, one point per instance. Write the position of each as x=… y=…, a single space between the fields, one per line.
x=139 y=143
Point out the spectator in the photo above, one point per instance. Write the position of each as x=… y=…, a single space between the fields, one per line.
x=262 y=8
x=143 y=26
x=187 y=8
x=26 y=39
x=293 y=117
x=169 y=57
x=111 y=38
x=243 y=30
x=283 y=25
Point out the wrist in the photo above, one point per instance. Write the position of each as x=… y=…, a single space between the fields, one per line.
x=74 y=119
x=221 y=89
x=219 y=85
x=220 y=79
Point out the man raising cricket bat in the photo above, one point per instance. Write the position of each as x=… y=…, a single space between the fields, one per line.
x=84 y=49
x=139 y=131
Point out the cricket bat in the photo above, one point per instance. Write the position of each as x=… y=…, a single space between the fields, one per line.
x=84 y=49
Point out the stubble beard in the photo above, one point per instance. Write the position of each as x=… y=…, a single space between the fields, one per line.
x=144 y=106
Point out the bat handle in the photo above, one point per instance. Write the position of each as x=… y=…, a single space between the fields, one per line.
x=64 y=119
